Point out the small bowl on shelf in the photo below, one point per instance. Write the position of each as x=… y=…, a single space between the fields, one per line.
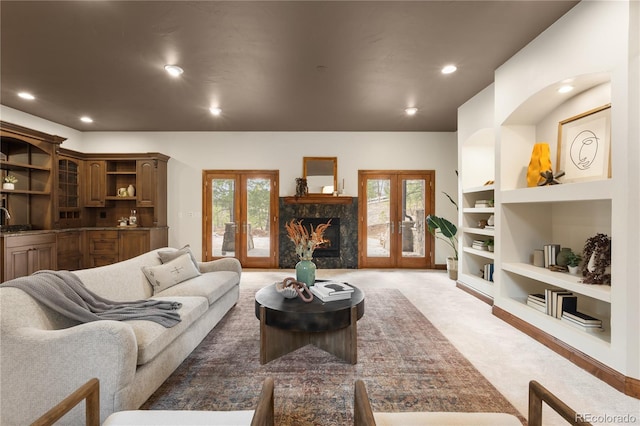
x=286 y=292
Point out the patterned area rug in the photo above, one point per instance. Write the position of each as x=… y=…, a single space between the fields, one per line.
x=405 y=362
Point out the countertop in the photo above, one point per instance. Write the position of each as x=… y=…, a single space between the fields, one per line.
x=88 y=228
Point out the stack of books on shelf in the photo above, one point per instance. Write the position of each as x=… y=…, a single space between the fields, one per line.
x=487 y=272
x=550 y=253
x=583 y=321
x=479 y=245
x=481 y=204
x=329 y=291
x=563 y=305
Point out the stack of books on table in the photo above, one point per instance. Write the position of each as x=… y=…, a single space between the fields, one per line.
x=329 y=291
x=479 y=245
x=583 y=321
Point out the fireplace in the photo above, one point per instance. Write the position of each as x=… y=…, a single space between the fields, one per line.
x=331 y=244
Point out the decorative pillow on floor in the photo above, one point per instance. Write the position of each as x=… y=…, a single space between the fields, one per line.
x=163 y=276
x=167 y=256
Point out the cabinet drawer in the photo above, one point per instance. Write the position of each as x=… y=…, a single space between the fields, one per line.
x=29 y=240
x=103 y=242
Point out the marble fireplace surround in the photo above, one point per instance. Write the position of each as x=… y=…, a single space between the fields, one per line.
x=345 y=208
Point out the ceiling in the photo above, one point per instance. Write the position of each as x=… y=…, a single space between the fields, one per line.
x=269 y=65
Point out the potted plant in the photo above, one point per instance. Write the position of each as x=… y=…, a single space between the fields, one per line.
x=446 y=231
x=490 y=244
x=573 y=261
x=9 y=182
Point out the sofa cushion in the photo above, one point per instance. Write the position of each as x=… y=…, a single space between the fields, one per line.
x=152 y=338
x=170 y=254
x=169 y=274
x=210 y=285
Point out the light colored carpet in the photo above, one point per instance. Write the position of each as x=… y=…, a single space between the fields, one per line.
x=504 y=355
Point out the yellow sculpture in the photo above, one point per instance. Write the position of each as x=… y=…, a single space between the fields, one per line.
x=540 y=162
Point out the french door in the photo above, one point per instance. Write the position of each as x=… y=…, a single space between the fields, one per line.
x=240 y=216
x=393 y=206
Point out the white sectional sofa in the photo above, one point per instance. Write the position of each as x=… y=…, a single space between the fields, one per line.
x=44 y=356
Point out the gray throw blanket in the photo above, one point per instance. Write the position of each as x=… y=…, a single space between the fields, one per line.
x=63 y=292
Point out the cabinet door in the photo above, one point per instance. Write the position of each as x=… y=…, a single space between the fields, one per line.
x=25 y=260
x=16 y=262
x=43 y=256
x=95 y=183
x=146 y=180
x=133 y=243
x=69 y=250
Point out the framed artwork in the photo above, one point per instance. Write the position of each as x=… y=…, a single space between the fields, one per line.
x=584 y=146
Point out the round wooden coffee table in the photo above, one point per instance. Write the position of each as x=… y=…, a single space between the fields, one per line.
x=289 y=324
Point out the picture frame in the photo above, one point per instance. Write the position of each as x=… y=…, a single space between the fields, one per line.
x=584 y=146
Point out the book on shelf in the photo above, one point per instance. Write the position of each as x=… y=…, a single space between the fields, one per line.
x=551 y=297
x=550 y=253
x=487 y=272
x=589 y=328
x=537 y=306
x=479 y=245
x=581 y=317
x=565 y=302
x=481 y=204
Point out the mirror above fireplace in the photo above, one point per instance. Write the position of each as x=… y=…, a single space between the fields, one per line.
x=321 y=174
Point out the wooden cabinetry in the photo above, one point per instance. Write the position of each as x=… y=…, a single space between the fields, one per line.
x=95 y=183
x=69 y=248
x=30 y=156
x=69 y=192
x=105 y=247
x=26 y=254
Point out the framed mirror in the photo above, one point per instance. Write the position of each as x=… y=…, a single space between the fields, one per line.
x=321 y=174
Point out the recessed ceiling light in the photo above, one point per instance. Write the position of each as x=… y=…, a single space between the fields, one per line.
x=26 y=95
x=411 y=111
x=565 y=89
x=449 y=69
x=173 y=70
x=86 y=119
x=215 y=110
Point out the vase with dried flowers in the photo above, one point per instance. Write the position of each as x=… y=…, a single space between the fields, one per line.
x=306 y=240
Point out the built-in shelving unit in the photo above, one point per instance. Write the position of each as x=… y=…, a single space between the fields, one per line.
x=476 y=160
x=526 y=108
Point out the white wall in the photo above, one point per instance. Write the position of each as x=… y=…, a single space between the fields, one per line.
x=193 y=152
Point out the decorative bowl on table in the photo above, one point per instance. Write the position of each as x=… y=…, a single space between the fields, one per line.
x=286 y=292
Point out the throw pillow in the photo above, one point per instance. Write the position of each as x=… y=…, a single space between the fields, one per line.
x=168 y=256
x=167 y=275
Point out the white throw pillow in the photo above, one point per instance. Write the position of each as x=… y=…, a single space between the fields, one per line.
x=168 y=255
x=168 y=274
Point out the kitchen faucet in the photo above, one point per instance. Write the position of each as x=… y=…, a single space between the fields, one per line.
x=6 y=212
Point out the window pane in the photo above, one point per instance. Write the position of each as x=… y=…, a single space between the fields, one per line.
x=258 y=217
x=413 y=218
x=223 y=217
x=378 y=217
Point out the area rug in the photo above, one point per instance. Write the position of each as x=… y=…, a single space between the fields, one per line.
x=405 y=362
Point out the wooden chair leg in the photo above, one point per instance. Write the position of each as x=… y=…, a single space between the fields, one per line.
x=538 y=394
x=89 y=391
x=362 y=412
x=264 y=415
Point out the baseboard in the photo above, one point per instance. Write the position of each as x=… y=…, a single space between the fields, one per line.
x=472 y=291
x=440 y=266
x=627 y=385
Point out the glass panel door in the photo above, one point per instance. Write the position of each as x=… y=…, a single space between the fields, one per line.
x=239 y=212
x=393 y=208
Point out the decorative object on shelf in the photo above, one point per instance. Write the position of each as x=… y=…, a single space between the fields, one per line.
x=9 y=182
x=482 y=223
x=306 y=241
x=133 y=218
x=550 y=253
x=584 y=145
x=538 y=258
x=491 y=221
x=573 y=262
x=301 y=187
x=490 y=244
x=550 y=178
x=123 y=221
x=562 y=259
x=131 y=191
x=540 y=162
x=122 y=192
x=597 y=268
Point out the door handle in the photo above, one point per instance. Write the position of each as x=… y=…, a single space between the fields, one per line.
x=392 y=227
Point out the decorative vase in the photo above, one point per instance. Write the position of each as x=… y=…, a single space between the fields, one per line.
x=540 y=162
x=573 y=270
x=306 y=272
x=562 y=258
x=131 y=191
x=7 y=185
